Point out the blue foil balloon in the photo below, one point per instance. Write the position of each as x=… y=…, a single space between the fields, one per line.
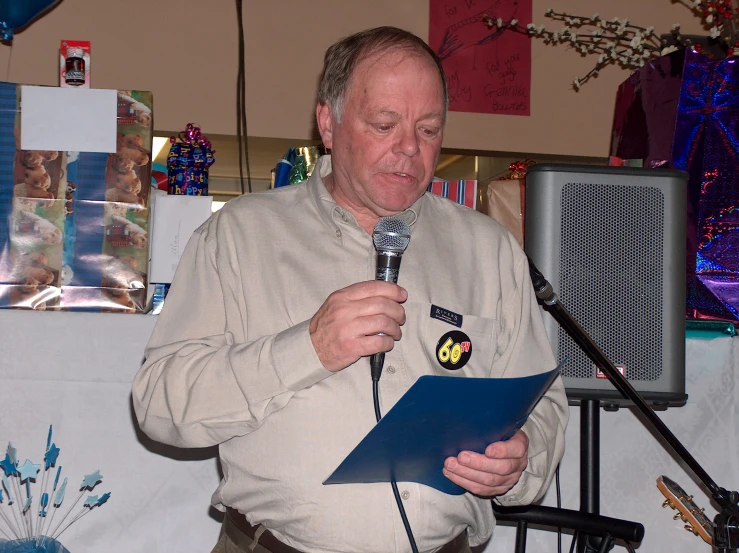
x=16 y=14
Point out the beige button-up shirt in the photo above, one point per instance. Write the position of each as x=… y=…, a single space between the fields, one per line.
x=231 y=362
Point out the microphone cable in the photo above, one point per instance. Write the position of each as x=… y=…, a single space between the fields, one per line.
x=390 y=236
x=241 y=131
x=396 y=493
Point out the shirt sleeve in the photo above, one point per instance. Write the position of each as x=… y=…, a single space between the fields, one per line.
x=523 y=350
x=201 y=385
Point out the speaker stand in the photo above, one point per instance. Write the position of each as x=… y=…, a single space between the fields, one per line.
x=726 y=527
x=589 y=462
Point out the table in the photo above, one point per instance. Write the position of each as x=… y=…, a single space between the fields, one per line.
x=74 y=370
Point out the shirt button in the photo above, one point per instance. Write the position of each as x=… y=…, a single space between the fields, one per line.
x=391 y=369
x=405 y=495
x=338 y=233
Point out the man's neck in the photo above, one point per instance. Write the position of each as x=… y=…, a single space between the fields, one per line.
x=366 y=218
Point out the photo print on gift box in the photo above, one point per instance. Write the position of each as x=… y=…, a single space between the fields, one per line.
x=128 y=172
x=127 y=182
x=36 y=230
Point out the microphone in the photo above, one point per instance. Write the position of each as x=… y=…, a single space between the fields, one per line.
x=391 y=236
x=542 y=289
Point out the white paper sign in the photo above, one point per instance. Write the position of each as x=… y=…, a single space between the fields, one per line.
x=68 y=119
x=175 y=219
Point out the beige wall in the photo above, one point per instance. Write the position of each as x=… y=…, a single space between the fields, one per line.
x=186 y=53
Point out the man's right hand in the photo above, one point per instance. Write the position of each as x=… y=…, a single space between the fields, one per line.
x=349 y=323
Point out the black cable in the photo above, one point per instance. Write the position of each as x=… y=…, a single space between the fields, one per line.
x=241 y=131
x=240 y=65
x=396 y=493
x=559 y=506
x=630 y=547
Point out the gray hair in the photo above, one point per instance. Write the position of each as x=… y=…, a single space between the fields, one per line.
x=343 y=57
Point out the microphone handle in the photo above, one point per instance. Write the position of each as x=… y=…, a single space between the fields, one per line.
x=388 y=268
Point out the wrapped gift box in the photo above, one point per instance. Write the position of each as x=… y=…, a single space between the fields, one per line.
x=74 y=225
x=506 y=204
x=463 y=192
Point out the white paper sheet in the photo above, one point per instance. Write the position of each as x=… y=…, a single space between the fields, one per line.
x=175 y=219
x=68 y=119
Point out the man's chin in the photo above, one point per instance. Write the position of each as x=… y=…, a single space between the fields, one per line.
x=389 y=210
x=395 y=205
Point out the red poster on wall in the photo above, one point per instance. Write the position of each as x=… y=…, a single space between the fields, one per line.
x=488 y=69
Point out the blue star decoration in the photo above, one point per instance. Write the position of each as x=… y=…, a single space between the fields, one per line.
x=50 y=456
x=103 y=498
x=8 y=466
x=91 y=480
x=28 y=470
x=91 y=501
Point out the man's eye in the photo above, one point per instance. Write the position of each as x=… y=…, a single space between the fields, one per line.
x=430 y=132
x=383 y=128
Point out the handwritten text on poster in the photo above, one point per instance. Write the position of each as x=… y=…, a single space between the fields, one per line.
x=488 y=69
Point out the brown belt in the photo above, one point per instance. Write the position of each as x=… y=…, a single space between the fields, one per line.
x=242 y=534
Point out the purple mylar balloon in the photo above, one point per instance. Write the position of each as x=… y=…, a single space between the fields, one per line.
x=16 y=14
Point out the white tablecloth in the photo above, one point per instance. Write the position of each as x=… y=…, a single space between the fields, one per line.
x=73 y=370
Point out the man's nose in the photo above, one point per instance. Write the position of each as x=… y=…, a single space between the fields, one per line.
x=408 y=142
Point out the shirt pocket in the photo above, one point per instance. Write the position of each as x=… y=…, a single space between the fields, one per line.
x=436 y=335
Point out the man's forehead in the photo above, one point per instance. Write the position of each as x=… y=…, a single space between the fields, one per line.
x=393 y=114
x=370 y=67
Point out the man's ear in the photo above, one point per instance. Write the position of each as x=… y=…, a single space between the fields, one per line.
x=325 y=121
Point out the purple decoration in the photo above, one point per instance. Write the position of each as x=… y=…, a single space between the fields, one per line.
x=682 y=111
x=188 y=163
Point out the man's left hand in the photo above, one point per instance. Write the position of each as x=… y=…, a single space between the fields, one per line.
x=492 y=473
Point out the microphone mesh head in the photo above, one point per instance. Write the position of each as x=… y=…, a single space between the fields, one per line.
x=391 y=234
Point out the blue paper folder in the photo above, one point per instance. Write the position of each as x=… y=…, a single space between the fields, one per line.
x=438 y=417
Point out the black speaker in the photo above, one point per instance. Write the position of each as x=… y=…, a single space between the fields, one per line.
x=611 y=241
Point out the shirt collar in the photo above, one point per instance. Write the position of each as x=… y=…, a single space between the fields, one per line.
x=327 y=206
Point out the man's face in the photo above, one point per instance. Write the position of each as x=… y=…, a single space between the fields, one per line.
x=386 y=146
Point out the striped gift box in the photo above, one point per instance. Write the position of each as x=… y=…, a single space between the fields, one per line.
x=464 y=192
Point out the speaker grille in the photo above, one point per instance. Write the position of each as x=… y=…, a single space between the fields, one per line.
x=610 y=276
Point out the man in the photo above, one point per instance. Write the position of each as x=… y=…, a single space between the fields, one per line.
x=263 y=344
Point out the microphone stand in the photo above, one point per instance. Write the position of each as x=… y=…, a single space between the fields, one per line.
x=726 y=522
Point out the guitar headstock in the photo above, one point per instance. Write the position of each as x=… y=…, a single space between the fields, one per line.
x=695 y=519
